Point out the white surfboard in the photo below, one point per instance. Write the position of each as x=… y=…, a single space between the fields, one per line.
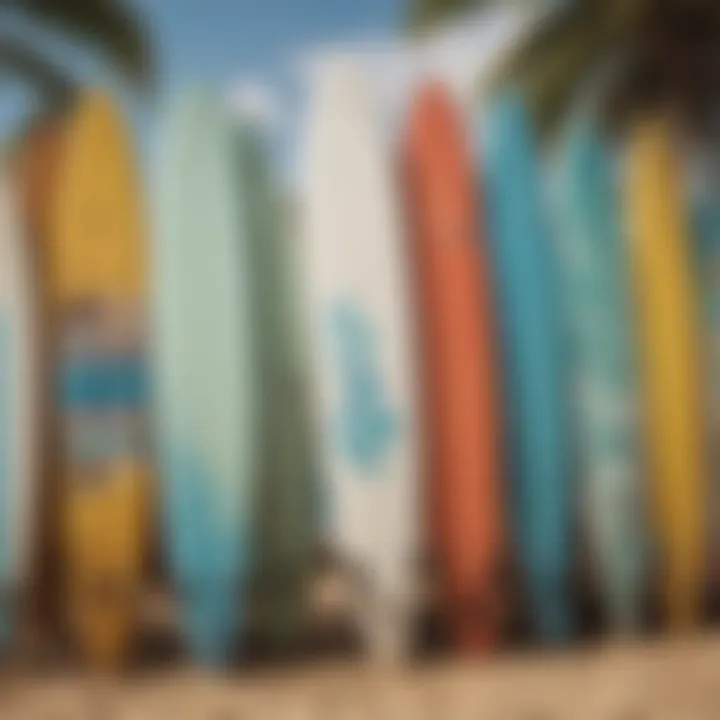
x=17 y=409
x=362 y=354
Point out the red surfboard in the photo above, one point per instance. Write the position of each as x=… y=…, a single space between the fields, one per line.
x=460 y=376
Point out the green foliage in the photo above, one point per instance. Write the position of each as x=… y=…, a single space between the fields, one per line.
x=661 y=54
x=424 y=14
x=107 y=27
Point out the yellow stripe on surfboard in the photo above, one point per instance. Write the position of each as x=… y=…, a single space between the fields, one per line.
x=668 y=343
x=95 y=255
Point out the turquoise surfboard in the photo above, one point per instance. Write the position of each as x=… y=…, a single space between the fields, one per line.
x=206 y=382
x=286 y=525
x=706 y=239
x=595 y=270
x=525 y=277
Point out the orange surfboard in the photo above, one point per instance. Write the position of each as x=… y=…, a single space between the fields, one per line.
x=36 y=157
x=460 y=376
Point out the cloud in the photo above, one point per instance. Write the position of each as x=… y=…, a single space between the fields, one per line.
x=256 y=101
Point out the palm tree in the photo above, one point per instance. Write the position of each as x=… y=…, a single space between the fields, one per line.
x=107 y=27
x=424 y=14
x=659 y=54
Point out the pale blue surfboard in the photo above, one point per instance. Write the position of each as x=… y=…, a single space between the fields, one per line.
x=591 y=249
x=205 y=375
x=533 y=363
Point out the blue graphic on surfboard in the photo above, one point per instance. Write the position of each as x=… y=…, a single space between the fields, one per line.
x=102 y=385
x=366 y=426
x=534 y=365
x=602 y=368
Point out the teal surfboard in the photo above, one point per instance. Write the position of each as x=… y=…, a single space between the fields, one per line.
x=206 y=383
x=286 y=520
x=601 y=367
x=704 y=197
x=533 y=361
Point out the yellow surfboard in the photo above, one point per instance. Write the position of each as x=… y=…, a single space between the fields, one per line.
x=668 y=344
x=95 y=262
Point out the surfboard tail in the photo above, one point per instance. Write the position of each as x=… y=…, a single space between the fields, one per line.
x=212 y=613
x=683 y=593
x=8 y=614
x=388 y=630
x=551 y=616
x=281 y=604
x=474 y=630
x=100 y=615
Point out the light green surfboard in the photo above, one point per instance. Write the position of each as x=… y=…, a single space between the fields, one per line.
x=206 y=379
x=285 y=521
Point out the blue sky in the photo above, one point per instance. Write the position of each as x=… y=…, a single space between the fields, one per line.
x=226 y=39
x=236 y=42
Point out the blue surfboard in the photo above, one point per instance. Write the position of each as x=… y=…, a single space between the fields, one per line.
x=525 y=277
x=706 y=242
x=592 y=254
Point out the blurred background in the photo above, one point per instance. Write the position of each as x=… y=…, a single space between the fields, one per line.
x=375 y=330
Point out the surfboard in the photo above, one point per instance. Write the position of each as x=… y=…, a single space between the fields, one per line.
x=463 y=419
x=287 y=516
x=18 y=410
x=665 y=300
x=205 y=378
x=592 y=253
x=96 y=284
x=531 y=326
x=706 y=273
x=362 y=355
x=34 y=157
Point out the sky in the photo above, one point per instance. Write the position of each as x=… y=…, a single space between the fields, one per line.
x=252 y=49
x=225 y=40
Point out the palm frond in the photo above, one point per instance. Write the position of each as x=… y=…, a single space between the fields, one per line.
x=424 y=14
x=553 y=33
x=19 y=61
x=566 y=73
x=112 y=28
x=559 y=60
